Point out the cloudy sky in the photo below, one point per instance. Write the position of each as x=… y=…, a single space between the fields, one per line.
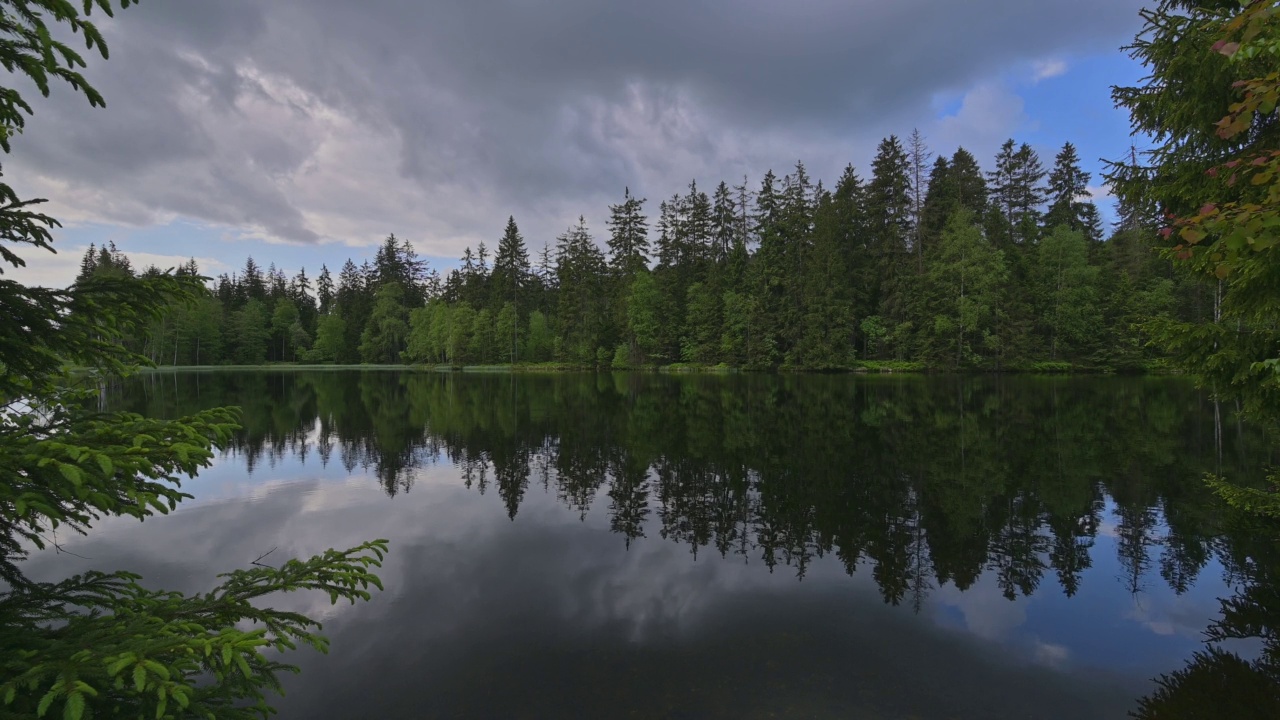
x=302 y=132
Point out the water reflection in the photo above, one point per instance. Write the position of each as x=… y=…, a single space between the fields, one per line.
x=961 y=488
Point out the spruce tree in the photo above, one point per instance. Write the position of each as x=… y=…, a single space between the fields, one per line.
x=628 y=238
x=889 y=205
x=582 y=312
x=509 y=283
x=1068 y=195
x=324 y=290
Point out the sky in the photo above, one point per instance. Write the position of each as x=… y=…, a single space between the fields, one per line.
x=303 y=132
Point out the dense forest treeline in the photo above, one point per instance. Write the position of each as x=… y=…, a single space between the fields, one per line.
x=934 y=261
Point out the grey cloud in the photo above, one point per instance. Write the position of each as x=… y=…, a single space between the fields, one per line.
x=550 y=617
x=540 y=109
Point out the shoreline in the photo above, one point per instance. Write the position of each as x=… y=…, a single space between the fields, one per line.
x=891 y=367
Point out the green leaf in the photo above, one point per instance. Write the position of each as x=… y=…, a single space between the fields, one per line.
x=104 y=464
x=74 y=708
x=72 y=474
x=45 y=702
x=139 y=677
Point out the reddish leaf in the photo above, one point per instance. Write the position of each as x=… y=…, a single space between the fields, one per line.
x=1208 y=208
x=1227 y=49
x=1166 y=232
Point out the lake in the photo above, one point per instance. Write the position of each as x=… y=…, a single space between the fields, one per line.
x=738 y=546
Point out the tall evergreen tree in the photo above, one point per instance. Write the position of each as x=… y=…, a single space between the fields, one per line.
x=583 y=313
x=918 y=159
x=324 y=290
x=888 y=211
x=509 y=283
x=1068 y=195
x=628 y=238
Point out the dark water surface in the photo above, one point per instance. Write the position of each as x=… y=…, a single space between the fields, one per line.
x=722 y=547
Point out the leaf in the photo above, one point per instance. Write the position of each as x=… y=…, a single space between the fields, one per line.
x=74 y=708
x=45 y=702
x=72 y=474
x=105 y=465
x=139 y=677
x=1192 y=235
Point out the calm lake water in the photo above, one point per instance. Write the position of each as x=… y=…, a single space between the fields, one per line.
x=650 y=546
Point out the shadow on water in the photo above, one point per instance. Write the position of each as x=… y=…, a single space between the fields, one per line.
x=924 y=485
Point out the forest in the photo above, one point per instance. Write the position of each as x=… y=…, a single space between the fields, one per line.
x=927 y=263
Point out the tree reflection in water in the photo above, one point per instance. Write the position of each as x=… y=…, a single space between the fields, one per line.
x=920 y=482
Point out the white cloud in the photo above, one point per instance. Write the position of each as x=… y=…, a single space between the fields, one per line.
x=1051 y=654
x=59 y=270
x=988 y=114
x=987 y=613
x=1045 y=69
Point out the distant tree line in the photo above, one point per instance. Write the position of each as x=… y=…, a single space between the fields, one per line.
x=929 y=260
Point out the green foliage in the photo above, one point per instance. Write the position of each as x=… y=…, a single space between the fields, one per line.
x=1210 y=102
x=330 y=331
x=645 y=317
x=909 y=366
x=101 y=644
x=702 y=325
x=1068 y=292
x=387 y=330
x=507 y=334
x=250 y=334
x=965 y=279
x=539 y=346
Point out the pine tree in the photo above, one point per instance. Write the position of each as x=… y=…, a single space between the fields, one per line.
x=918 y=160
x=582 y=314
x=324 y=290
x=768 y=285
x=1067 y=194
x=252 y=281
x=723 y=224
x=509 y=282
x=826 y=340
x=88 y=264
x=628 y=238
x=888 y=210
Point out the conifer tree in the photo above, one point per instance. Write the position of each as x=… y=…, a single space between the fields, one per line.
x=628 y=238
x=324 y=290
x=918 y=159
x=888 y=206
x=582 y=313
x=1068 y=195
